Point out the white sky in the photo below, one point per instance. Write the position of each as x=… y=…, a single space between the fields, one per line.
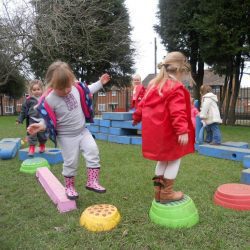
x=142 y=19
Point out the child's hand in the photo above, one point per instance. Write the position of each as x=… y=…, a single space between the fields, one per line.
x=104 y=79
x=134 y=123
x=35 y=128
x=203 y=123
x=183 y=139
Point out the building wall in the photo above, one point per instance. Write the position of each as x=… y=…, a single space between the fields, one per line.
x=113 y=101
x=9 y=105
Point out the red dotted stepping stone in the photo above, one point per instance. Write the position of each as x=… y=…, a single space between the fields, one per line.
x=233 y=195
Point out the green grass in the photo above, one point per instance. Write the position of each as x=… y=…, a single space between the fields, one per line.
x=29 y=220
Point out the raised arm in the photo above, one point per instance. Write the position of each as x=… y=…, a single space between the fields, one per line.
x=94 y=87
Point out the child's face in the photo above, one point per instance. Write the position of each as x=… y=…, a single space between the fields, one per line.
x=36 y=90
x=63 y=92
x=136 y=81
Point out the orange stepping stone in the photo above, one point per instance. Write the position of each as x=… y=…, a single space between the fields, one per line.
x=233 y=195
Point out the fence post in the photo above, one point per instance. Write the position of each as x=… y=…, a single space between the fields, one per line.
x=126 y=100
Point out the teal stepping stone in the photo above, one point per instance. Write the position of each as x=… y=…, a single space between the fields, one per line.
x=176 y=214
x=30 y=165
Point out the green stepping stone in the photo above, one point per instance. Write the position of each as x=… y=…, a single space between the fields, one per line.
x=176 y=214
x=32 y=164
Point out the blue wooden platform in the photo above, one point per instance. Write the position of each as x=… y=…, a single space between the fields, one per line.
x=9 y=147
x=93 y=128
x=104 y=130
x=125 y=124
x=235 y=144
x=116 y=127
x=224 y=152
x=52 y=155
x=101 y=136
x=245 y=176
x=117 y=116
x=118 y=131
x=246 y=161
x=105 y=123
x=136 y=140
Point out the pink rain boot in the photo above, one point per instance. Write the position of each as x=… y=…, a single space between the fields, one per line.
x=92 y=183
x=41 y=148
x=32 y=149
x=70 y=188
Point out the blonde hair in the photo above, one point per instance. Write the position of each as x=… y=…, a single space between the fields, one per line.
x=59 y=75
x=174 y=63
x=135 y=76
x=204 y=89
x=32 y=83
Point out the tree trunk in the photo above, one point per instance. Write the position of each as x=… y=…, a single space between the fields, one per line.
x=224 y=90
x=1 y=104
x=127 y=100
x=228 y=93
x=236 y=89
x=199 y=79
x=15 y=112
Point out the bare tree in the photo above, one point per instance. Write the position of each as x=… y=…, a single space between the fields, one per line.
x=16 y=26
x=91 y=35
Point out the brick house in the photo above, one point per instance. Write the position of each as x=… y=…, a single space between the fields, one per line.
x=115 y=100
x=118 y=100
x=10 y=106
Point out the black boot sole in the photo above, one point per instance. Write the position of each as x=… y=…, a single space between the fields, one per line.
x=72 y=198
x=96 y=190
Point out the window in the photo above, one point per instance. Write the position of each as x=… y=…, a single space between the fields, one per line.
x=101 y=94
x=101 y=107
x=113 y=93
x=9 y=109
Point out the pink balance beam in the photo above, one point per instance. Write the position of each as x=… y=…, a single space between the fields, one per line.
x=55 y=190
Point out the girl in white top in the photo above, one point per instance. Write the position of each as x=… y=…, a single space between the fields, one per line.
x=210 y=115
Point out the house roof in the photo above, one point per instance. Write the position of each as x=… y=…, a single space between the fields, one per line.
x=212 y=79
x=147 y=79
x=209 y=78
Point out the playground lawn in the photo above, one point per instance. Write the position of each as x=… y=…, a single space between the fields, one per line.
x=29 y=220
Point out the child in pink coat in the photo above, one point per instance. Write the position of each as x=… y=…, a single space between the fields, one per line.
x=194 y=112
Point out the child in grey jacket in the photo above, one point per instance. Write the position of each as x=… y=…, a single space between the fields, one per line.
x=31 y=115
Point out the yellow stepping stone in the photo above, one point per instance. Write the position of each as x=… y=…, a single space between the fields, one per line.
x=101 y=217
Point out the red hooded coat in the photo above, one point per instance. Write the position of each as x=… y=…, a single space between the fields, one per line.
x=164 y=118
x=138 y=93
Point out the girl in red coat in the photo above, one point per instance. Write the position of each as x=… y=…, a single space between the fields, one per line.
x=167 y=129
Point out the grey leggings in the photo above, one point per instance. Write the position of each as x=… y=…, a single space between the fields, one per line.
x=72 y=146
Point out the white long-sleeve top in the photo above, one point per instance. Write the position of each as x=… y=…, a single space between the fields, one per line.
x=209 y=109
x=70 y=119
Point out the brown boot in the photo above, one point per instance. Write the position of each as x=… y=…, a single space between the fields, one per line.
x=157 y=187
x=167 y=194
